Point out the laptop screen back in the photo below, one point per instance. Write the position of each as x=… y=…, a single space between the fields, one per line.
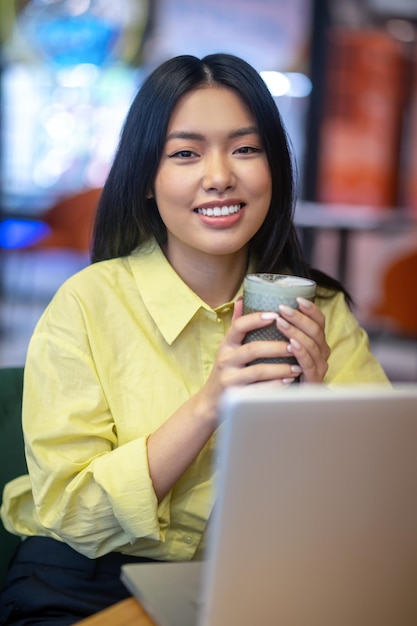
x=316 y=520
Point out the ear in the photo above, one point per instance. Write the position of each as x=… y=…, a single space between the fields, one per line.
x=149 y=195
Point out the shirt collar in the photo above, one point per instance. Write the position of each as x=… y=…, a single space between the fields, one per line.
x=170 y=302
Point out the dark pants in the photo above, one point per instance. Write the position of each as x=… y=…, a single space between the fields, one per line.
x=50 y=583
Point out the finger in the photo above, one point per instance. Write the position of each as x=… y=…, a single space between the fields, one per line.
x=245 y=323
x=305 y=316
x=282 y=373
x=267 y=351
x=311 y=310
x=313 y=364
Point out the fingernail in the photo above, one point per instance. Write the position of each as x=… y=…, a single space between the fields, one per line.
x=286 y=309
x=305 y=303
x=295 y=344
x=283 y=323
x=269 y=316
x=287 y=381
x=296 y=369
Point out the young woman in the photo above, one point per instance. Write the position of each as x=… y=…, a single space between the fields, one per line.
x=127 y=365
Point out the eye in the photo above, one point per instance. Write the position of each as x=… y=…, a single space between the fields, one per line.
x=248 y=150
x=183 y=154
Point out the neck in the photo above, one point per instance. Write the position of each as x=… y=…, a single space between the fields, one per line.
x=214 y=278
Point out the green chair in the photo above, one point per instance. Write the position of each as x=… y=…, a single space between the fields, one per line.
x=13 y=462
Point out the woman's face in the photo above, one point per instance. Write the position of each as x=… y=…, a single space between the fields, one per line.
x=213 y=186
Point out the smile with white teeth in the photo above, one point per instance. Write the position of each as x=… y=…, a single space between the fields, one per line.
x=219 y=211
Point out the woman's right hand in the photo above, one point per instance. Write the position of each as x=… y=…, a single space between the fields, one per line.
x=230 y=368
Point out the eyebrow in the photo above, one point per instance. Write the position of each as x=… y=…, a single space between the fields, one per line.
x=239 y=132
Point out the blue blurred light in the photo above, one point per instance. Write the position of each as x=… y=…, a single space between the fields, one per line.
x=21 y=233
x=82 y=39
x=69 y=40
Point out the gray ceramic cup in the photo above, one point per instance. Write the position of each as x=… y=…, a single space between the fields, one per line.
x=265 y=292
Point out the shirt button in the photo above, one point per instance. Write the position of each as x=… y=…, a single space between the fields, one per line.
x=188 y=539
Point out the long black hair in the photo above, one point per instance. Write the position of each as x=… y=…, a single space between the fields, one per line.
x=127 y=217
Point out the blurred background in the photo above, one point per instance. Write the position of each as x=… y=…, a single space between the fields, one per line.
x=343 y=74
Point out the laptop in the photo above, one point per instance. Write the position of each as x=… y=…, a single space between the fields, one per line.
x=315 y=522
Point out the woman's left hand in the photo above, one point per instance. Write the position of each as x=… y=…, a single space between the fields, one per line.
x=307 y=341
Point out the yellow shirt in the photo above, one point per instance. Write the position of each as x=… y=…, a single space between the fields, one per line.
x=121 y=346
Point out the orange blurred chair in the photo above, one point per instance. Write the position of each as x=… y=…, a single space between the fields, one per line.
x=397 y=309
x=393 y=323
x=71 y=221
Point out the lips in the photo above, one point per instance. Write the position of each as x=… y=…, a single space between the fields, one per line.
x=219 y=211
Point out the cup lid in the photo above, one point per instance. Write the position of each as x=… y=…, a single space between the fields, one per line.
x=283 y=279
x=284 y=285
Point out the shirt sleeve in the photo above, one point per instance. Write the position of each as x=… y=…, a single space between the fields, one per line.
x=351 y=360
x=89 y=490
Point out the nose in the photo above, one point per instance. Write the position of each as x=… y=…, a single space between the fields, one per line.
x=218 y=173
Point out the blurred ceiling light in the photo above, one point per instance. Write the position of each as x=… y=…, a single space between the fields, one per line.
x=277 y=83
x=60 y=125
x=81 y=75
x=293 y=84
x=48 y=171
x=300 y=85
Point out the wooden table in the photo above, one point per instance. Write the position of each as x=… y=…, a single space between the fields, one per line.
x=125 y=613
